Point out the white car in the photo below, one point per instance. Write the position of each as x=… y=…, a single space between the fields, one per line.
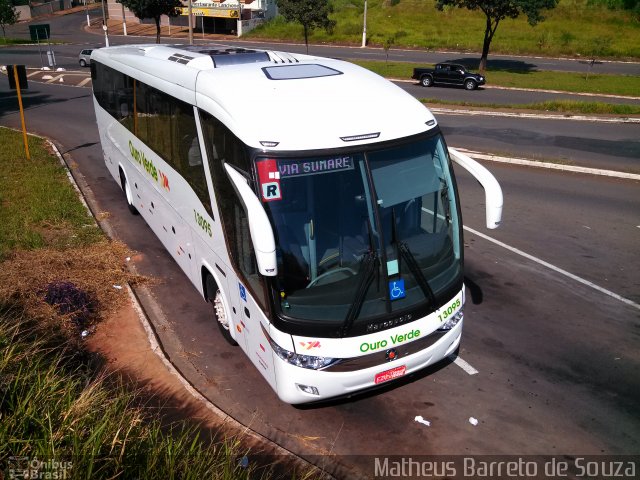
x=84 y=56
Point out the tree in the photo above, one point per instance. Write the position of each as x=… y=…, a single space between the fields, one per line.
x=389 y=41
x=8 y=16
x=497 y=10
x=153 y=9
x=597 y=47
x=310 y=13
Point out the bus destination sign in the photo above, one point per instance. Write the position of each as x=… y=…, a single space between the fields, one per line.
x=298 y=168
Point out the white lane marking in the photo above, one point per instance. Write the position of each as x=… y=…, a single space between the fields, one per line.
x=555 y=269
x=537 y=116
x=463 y=364
x=553 y=166
x=56 y=78
x=84 y=82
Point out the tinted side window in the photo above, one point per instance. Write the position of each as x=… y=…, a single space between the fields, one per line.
x=142 y=112
x=158 y=119
x=224 y=147
x=186 y=157
x=168 y=127
x=165 y=124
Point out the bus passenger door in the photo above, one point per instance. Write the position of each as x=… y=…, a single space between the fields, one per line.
x=235 y=315
x=257 y=346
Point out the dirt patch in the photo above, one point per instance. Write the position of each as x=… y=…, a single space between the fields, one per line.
x=122 y=341
x=99 y=269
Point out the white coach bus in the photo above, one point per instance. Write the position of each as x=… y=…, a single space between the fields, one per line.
x=312 y=202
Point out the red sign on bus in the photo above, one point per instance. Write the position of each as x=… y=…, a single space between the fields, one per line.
x=269 y=180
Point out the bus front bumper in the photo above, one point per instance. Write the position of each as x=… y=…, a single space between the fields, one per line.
x=297 y=385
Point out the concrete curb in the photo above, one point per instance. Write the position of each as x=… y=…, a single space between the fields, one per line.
x=72 y=180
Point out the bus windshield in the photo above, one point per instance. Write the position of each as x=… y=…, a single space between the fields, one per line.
x=361 y=235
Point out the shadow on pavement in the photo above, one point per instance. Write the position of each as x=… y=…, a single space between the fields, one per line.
x=513 y=66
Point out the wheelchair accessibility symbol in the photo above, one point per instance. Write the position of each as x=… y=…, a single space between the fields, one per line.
x=396 y=289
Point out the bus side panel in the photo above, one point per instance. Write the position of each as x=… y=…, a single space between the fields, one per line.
x=144 y=170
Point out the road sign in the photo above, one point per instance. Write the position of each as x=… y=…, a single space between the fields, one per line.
x=22 y=76
x=40 y=31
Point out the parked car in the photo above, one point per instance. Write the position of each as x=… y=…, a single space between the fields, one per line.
x=84 y=56
x=448 y=74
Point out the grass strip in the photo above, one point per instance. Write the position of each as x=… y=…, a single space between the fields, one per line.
x=73 y=421
x=38 y=205
x=573 y=28
x=563 y=106
x=544 y=80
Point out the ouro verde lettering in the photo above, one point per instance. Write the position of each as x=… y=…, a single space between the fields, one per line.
x=394 y=339
x=141 y=158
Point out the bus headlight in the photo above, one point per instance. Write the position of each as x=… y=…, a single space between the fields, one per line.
x=452 y=321
x=304 y=361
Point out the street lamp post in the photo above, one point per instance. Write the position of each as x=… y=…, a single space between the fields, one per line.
x=364 y=27
x=86 y=9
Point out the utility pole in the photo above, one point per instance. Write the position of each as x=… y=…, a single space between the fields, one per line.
x=190 y=25
x=86 y=9
x=124 y=21
x=104 y=25
x=364 y=27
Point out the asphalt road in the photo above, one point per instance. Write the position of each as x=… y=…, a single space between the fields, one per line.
x=587 y=144
x=471 y=60
x=558 y=361
x=70 y=29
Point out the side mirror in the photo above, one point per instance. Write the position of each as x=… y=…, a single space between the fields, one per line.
x=493 y=192
x=259 y=225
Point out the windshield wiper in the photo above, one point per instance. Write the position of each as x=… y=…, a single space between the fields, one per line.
x=368 y=266
x=444 y=197
x=417 y=272
x=411 y=262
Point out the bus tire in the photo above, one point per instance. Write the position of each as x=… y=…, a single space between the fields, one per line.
x=219 y=312
x=126 y=188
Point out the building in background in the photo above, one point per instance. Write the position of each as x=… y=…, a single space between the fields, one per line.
x=225 y=17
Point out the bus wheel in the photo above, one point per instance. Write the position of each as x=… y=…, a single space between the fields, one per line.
x=127 y=191
x=221 y=316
